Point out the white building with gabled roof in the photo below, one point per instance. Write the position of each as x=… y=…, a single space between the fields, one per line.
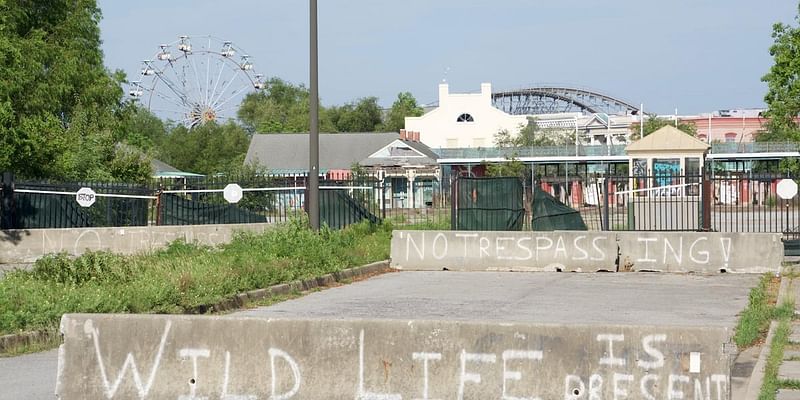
x=464 y=120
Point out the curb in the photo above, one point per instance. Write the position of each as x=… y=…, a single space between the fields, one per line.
x=233 y=303
x=757 y=377
x=240 y=300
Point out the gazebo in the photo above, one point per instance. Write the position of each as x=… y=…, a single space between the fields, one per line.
x=667 y=151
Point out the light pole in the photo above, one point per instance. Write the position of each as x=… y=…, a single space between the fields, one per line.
x=313 y=137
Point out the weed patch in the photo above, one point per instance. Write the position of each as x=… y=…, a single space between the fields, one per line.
x=183 y=275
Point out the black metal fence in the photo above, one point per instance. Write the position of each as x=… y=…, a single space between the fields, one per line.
x=265 y=199
x=724 y=203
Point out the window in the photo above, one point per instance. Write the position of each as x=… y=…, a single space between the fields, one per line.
x=465 y=118
x=478 y=142
x=451 y=143
x=730 y=137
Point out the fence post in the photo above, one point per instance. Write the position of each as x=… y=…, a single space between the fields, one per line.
x=453 y=201
x=606 y=194
x=7 y=207
x=707 y=197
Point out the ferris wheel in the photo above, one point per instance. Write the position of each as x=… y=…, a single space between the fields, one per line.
x=195 y=80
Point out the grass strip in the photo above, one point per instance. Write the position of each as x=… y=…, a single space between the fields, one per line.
x=183 y=275
x=754 y=320
x=769 y=388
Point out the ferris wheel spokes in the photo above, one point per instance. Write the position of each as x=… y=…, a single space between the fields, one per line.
x=174 y=83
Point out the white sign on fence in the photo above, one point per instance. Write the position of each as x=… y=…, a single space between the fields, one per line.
x=232 y=193
x=85 y=197
x=787 y=188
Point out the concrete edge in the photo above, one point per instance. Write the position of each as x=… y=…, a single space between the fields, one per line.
x=24 y=338
x=232 y=303
x=757 y=377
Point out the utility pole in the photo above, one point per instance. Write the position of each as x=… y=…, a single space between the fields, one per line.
x=313 y=137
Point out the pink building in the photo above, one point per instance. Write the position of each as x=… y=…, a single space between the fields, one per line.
x=727 y=129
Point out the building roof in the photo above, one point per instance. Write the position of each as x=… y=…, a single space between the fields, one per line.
x=668 y=138
x=164 y=170
x=336 y=150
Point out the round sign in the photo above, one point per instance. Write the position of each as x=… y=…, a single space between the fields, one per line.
x=85 y=197
x=787 y=189
x=232 y=193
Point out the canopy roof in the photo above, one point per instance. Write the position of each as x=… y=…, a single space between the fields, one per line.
x=668 y=139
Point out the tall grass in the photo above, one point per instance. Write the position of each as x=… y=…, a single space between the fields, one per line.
x=182 y=276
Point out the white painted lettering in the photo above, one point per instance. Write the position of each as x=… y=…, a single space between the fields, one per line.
x=674 y=388
x=698 y=389
x=601 y=254
x=560 y=248
x=143 y=388
x=500 y=247
x=677 y=254
x=436 y=239
x=658 y=356
x=484 y=245
x=425 y=357
x=226 y=379
x=516 y=375
x=527 y=248
x=722 y=385
x=573 y=387
x=621 y=392
x=469 y=376
x=646 y=249
x=608 y=358
x=539 y=247
x=643 y=385
x=193 y=354
x=465 y=236
x=362 y=394
x=706 y=256
x=410 y=241
x=595 y=387
x=273 y=354
x=579 y=249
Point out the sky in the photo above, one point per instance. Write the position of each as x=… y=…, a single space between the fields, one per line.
x=694 y=55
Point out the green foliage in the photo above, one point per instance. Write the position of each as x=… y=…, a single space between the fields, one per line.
x=280 y=108
x=182 y=276
x=206 y=149
x=653 y=124
x=533 y=135
x=783 y=81
x=59 y=107
x=362 y=116
x=404 y=106
x=512 y=167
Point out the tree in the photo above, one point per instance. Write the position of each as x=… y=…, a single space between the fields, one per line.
x=60 y=109
x=404 y=106
x=364 y=115
x=280 y=108
x=533 y=135
x=783 y=82
x=206 y=149
x=653 y=124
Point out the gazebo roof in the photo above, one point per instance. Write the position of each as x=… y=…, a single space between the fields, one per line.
x=668 y=138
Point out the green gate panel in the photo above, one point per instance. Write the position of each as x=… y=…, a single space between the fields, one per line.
x=549 y=214
x=177 y=210
x=490 y=204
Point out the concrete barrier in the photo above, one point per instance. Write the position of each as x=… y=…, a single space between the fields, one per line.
x=504 y=251
x=181 y=357
x=26 y=246
x=701 y=252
